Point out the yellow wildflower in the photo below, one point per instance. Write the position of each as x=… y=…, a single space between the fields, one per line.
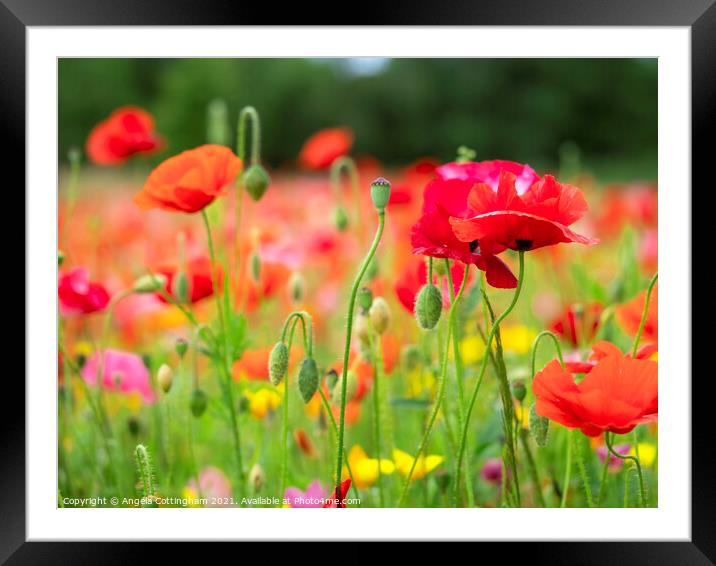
x=365 y=469
x=647 y=453
x=420 y=382
x=425 y=464
x=261 y=401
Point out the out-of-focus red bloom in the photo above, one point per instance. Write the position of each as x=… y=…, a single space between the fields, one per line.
x=616 y=395
x=433 y=235
x=629 y=316
x=78 y=295
x=578 y=323
x=304 y=443
x=415 y=276
x=199 y=274
x=127 y=131
x=253 y=364
x=189 y=181
x=338 y=499
x=636 y=206
x=538 y=217
x=489 y=172
x=322 y=148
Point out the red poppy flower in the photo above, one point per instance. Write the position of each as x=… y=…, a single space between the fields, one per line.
x=601 y=350
x=127 y=131
x=189 y=181
x=78 y=295
x=415 y=276
x=578 y=323
x=489 y=172
x=322 y=148
x=629 y=316
x=616 y=395
x=339 y=499
x=538 y=217
x=199 y=274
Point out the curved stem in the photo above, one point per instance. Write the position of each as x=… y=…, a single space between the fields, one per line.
x=347 y=348
x=348 y=165
x=634 y=459
x=249 y=114
x=481 y=374
x=441 y=388
x=536 y=342
x=644 y=313
x=225 y=356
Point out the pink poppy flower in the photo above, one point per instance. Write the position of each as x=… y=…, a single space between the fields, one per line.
x=78 y=295
x=313 y=496
x=122 y=371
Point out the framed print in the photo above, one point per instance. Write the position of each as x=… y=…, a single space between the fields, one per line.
x=412 y=272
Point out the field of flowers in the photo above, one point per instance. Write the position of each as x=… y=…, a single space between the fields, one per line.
x=338 y=334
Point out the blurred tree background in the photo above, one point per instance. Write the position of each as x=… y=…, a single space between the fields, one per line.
x=528 y=110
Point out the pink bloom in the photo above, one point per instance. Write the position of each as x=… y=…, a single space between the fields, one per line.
x=78 y=295
x=614 y=462
x=122 y=371
x=214 y=484
x=312 y=497
x=489 y=172
x=492 y=471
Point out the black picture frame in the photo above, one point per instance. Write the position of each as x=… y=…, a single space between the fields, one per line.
x=699 y=15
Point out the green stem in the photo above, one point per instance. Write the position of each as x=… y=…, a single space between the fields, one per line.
x=567 y=472
x=642 y=489
x=535 y=344
x=532 y=466
x=582 y=468
x=249 y=114
x=605 y=470
x=347 y=348
x=348 y=165
x=377 y=362
x=225 y=361
x=72 y=186
x=481 y=374
x=644 y=313
x=441 y=388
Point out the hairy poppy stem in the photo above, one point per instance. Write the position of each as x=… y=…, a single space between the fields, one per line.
x=347 y=349
x=481 y=374
x=567 y=472
x=644 y=314
x=347 y=164
x=224 y=355
x=441 y=387
x=634 y=459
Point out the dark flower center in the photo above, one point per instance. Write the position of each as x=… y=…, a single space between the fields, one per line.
x=523 y=245
x=474 y=246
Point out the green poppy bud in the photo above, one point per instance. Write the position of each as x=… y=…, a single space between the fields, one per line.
x=296 y=287
x=256 y=181
x=278 y=362
x=133 y=426
x=60 y=258
x=180 y=287
x=428 y=306
x=364 y=298
x=165 y=377
x=519 y=390
x=181 y=347
x=351 y=387
x=198 y=402
x=340 y=217
x=331 y=379
x=379 y=315
x=539 y=427
x=308 y=379
x=361 y=328
x=380 y=193
x=150 y=283
x=256 y=266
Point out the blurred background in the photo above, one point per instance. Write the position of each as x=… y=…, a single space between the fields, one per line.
x=539 y=111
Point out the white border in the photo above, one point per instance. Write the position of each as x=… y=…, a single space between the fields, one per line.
x=670 y=521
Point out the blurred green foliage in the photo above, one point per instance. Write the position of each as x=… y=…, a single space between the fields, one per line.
x=400 y=109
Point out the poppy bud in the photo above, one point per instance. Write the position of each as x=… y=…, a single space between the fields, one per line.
x=361 y=328
x=180 y=287
x=380 y=193
x=296 y=287
x=539 y=427
x=256 y=181
x=165 y=376
x=465 y=154
x=340 y=218
x=331 y=379
x=519 y=390
x=278 y=362
x=379 y=315
x=150 y=283
x=181 y=347
x=410 y=356
x=351 y=388
x=308 y=379
x=257 y=477
x=364 y=298
x=60 y=258
x=198 y=402
x=428 y=306
x=256 y=266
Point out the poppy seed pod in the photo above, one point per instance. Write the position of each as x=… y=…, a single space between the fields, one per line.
x=165 y=376
x=340 y=217
x=256 y=266
x=428 y=306
x=519 y=390
x=150 y=283
x=181 y=347
x=256 y=181
x=278 y=362
x=351 y=388
x=379 y=315
x=364 y=298
x=296 y=287
x=180 y=287
x=380 y=193
x=539 y=427
x=198 y=402
x=308 y=379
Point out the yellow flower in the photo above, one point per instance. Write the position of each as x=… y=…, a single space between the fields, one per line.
x=313 y=407
x=647 y=453
x=425 y=464
x=261 y=401
x=169 y=316
x=83 y=348
x=365 y=469
x=517 y=338
x=472 y=348
x=522 y=413
x=191 y=496
x=420 y=382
